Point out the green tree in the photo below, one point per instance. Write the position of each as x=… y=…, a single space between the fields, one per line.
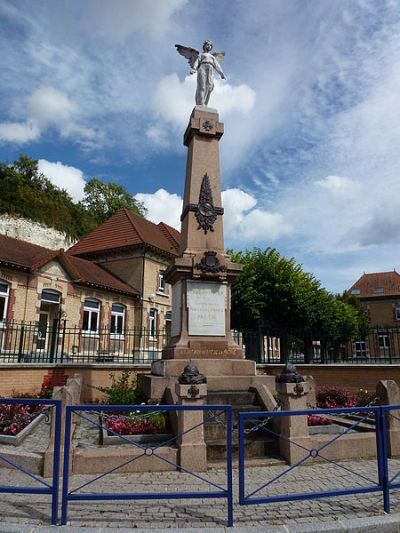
x=103 y=199
x=275 y=294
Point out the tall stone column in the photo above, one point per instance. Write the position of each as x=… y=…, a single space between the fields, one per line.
x=201 y=276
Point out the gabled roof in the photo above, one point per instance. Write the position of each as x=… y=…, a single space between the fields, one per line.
x=377 y=285
x=125 y=229
x=22 y=255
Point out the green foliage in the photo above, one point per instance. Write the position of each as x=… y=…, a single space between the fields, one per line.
x=275 y=293
x=27 y=193
x=122 y=390
x=103 y=199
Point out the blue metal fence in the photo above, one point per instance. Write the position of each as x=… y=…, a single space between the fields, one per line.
x=147 y=450
x=266 y=493
x=42 y=486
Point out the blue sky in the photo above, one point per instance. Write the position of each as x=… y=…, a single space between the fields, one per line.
x=311 y=153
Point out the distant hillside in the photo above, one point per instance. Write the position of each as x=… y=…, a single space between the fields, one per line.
x=27 y=193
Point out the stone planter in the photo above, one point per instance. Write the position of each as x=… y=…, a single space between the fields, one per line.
x=15 y=440
x=151 y=438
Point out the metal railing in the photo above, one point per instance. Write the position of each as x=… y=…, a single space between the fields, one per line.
x=360 y=482
x=30 y=342
x=145 y=451
x=40 y=485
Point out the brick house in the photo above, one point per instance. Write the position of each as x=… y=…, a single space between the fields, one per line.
x=379 y=293
x=111 y=280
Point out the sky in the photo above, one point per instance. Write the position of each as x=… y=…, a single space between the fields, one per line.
x=310 y=158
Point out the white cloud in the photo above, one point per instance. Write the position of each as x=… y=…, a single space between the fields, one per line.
x=19 y=132
x=65 y=177
x=337 y=184
x=119 y=22
x=48 y=106
x=244 y=223
x=162 y=206
x=173 y=102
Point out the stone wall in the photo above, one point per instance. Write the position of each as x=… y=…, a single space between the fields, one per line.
x=351 y=377
x=33 y=232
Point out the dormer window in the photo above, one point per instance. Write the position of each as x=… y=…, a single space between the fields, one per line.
x=355 y=291
x=379 y=290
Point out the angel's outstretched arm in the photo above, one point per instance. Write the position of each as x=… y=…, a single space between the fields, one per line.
x=219 y=69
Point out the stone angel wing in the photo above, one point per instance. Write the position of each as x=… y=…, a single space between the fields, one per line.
x=190 y=53
x=219 y=56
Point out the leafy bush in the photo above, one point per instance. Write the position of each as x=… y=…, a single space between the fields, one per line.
x=365 y=398
x=332 y=397
x=122 y=390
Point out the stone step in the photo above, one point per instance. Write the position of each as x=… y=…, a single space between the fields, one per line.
x=254 y=447
x=347 y=422
x=234 y=398
x=250 y=462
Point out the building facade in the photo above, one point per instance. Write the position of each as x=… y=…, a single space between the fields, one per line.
x=105 y=297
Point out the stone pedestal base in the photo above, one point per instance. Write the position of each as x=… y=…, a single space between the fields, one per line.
x=293 y=429
x=192 y=446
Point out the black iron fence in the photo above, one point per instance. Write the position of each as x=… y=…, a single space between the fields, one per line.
x=380 y=346
x=57 y=342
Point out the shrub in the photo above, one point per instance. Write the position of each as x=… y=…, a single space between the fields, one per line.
x=332 y=397
x=365 y=398
x=122 y=390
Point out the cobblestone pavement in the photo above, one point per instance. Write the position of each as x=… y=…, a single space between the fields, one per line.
x=193 y=513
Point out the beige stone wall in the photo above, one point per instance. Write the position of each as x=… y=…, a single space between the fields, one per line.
x=29 y=378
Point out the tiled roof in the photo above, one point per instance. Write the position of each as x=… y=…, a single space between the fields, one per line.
x=31 y=257
x=125 y=229
x=377 y=285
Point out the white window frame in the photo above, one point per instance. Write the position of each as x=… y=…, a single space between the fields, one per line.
x=5 y=295
x=397 y=312
x=153 y=318
x=162 y=288
x=385 y=344
x=119 y=316
x=49 y=301
x=362 y=350
x=91 y=310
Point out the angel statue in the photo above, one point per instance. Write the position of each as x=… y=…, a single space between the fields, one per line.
x=204 y=64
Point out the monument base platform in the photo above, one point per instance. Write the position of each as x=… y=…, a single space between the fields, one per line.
x=203 y=350
x=222 y=375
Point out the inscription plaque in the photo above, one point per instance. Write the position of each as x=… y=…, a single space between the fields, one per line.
x=206 y=308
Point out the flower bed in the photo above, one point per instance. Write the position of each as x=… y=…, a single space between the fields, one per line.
x=136 y=426
x=17 y=421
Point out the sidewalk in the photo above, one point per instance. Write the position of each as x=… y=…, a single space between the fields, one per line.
x=31 y=513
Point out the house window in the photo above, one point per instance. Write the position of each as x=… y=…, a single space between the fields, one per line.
x=50 y=296
x=379 y=290
x=153 y=316
x=117 y=319
x=384 y=341
x=4 y=294
x=161 y=283
x=91 y=315
x=360 y=349
x=356 y=291
x=397 y=312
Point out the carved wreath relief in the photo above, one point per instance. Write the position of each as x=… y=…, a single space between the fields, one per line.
x=206 y=213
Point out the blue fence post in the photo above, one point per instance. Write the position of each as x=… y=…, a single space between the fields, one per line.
x=67 y=440
x=241 y=459
x=229 y=464
x=385 y=479
x=56 y=462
